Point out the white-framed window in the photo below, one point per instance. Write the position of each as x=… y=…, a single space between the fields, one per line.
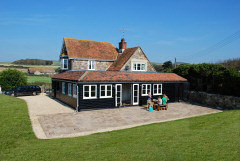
x=157 y=89
x=74 y=90
x=63 y=87
x=139 y=66
x=145 y=89
x=91 y=65
x=64 y=63
x=69 y=89
x=89 y=91
x=106 y=91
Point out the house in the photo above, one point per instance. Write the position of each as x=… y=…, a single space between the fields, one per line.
x=41 y=71
x=96 y=74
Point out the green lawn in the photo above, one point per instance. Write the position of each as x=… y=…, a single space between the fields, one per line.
x=42 y=79
x=210 y=137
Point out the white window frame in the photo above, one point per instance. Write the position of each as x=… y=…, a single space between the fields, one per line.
x=91 y=64
x=148 y=86
x=157 y=89
x=105 y=96
x=70 y=89
x=74 y=90
x=141 y=66
x=62 y=63
x=90 y=89
x=63 y=87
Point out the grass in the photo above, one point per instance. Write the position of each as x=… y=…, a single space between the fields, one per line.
x=55 y=65
x=39 y=79
x=210 y=137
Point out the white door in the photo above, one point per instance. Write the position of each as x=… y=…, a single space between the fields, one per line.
x=135 y=94
x=118 y=95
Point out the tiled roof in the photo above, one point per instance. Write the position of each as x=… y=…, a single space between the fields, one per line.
x=69 y=75
x=122 y=59
x=109 y=76
x=78 y=48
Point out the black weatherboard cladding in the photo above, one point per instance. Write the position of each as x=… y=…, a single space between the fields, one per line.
x=98 y=102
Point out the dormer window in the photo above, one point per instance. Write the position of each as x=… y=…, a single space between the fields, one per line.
x=64 y=64
x=91 y=65
x=139 y=67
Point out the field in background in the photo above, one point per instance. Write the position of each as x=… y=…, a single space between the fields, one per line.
x=209 y=137
x=55 y=65
x=41 y=79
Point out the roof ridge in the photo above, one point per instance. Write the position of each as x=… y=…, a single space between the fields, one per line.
x=66 y=38
x=83 y=75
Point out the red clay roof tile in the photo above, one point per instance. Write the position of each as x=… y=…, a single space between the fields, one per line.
x=122 y=59
x=78 y=48
x=109 y=76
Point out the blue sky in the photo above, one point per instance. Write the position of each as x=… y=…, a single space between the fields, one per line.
x=164 y=29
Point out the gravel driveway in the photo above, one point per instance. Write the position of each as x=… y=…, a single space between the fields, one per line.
x=52 y=119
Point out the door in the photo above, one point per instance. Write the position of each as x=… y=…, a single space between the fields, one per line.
x=135 y=94
x=118 y=95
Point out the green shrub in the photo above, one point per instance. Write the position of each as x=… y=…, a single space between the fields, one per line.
x=212 y=78
x=12 y=78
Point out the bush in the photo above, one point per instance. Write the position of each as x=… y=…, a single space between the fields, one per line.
x=212 y=78
x=33 y=62
x=12 y=78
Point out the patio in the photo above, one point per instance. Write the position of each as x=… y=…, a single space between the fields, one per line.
x=94 y=121
x=53 y=119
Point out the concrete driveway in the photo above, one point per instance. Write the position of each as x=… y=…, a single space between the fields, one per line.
x=52 y=119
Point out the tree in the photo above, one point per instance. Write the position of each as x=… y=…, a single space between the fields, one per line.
x=167 y=64
x=12 y=78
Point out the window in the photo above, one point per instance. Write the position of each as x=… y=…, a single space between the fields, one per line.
x=91 y=65
x=69 y=89
x=74 y=90
x=63 y=87
x=106 y=91
x=157 y=89
x=89 y=91
x=145 y=89
x=139 y=67
x=64 y=63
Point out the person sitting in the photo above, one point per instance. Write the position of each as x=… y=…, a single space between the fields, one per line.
x=159 y=100
x=149 y=100
x=164 y=99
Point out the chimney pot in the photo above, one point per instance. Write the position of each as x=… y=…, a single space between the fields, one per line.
x=122 y=45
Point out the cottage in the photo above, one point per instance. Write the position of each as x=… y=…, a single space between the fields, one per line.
x=96 y=74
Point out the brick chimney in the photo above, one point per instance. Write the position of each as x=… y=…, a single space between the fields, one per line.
x=122 y=45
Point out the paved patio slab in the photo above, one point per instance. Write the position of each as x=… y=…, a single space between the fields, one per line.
x=52 y=119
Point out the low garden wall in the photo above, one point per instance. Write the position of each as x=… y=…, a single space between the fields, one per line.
x=215 y=100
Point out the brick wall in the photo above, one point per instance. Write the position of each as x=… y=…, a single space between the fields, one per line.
x=79 y=65
x=83 y=65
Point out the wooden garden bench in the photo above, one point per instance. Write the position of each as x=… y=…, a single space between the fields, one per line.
x=162 y=107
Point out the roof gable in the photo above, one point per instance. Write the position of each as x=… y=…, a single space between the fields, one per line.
x=125 y=57
x=122 y=59
x=87 y=49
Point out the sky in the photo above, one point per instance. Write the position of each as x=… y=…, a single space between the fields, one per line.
x=190 y=30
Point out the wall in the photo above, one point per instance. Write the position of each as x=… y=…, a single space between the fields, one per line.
x=170 y=89
x=79 y=64
x=98 y=102
x=83 y=65
x=138 y=56
x=67 y=99
x=57 y=86
x=215 y=100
